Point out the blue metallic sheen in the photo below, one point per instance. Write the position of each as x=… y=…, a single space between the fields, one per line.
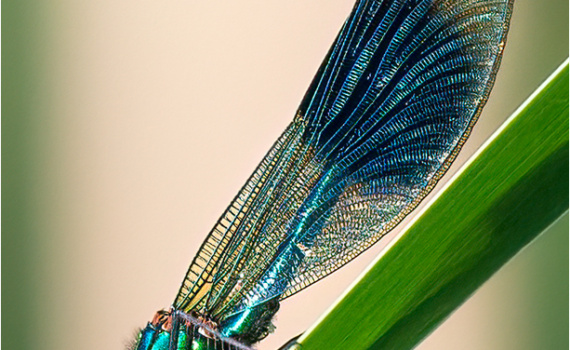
x=387 y=113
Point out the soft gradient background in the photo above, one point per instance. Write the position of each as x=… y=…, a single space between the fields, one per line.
x=128 y=126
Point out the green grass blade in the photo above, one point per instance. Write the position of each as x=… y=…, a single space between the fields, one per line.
x=513 y=188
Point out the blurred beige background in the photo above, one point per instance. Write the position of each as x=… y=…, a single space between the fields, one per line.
x=128 y=126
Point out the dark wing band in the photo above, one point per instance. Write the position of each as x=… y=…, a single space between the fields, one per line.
x=389 y=109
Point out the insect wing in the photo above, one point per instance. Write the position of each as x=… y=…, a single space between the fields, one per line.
x=394 y=102
x=390 y=107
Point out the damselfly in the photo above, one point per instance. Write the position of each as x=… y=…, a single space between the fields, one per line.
x=391 y=105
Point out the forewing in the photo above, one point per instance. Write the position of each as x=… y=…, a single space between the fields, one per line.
x=391 y=105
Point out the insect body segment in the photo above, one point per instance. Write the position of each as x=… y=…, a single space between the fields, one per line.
x=389 y=109
x=174 y=330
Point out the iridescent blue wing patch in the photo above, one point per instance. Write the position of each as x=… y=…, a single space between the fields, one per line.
x=389 y=109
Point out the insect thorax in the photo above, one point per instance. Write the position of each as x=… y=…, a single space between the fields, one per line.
x=176 y=330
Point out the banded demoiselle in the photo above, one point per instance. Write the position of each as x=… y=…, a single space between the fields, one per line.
x=387 y=112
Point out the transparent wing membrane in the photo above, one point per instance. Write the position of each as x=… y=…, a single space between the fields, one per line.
x=386 y=114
